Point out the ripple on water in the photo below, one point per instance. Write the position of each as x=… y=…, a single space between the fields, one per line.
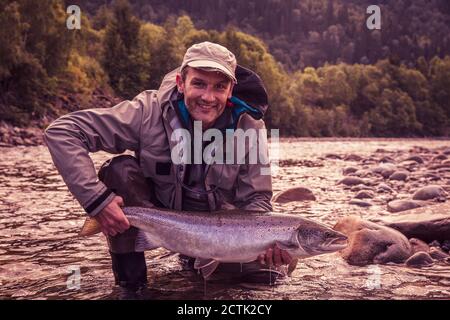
x=39 y=220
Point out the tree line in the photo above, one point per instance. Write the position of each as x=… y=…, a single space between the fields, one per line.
x=118 y=50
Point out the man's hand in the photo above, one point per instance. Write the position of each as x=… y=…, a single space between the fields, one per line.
x=112 y=220
x=275 y=256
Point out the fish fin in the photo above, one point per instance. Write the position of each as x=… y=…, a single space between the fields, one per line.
x=207 y=266
x=291 y=266
x=89 y=228
x=144 y=242
x=286 y=245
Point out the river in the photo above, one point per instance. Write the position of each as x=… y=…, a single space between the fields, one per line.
x=40 y=251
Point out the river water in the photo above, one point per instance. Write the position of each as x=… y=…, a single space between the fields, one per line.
x=40 y=253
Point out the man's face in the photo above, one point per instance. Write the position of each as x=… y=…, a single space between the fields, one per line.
x=205 y=94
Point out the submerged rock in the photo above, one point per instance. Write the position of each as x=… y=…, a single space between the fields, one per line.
x=294 y=194
x=419 y=259
x=430 y=192
x=403 y=205
x=427 y=223
x=371 y=243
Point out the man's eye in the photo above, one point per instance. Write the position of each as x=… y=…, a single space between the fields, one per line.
x=198 y=84
x=220 y=86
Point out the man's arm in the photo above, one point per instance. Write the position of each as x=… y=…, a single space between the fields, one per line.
x=71 y=138
x=254 y=182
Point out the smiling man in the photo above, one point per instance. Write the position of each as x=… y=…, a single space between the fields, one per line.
x=209 y=87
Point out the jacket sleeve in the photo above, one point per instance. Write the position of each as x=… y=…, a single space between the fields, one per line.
x=71 y=138
x=254 y=189
x=254 y=184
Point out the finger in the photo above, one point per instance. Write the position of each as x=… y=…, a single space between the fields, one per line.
x=277 y=256
x=261 y=259
x=285 y=257
x=269 y=254
x=126 y=223
x=120 y=201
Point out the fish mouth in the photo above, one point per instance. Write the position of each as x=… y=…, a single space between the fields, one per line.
x=336 y=244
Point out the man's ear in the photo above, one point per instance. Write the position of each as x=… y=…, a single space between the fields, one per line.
x=180 y=83
x=231 y=90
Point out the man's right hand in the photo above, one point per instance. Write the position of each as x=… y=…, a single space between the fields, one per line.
x=112 y=220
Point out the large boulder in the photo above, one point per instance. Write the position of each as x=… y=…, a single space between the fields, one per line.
x=294 y=194
x=426 y=223
x=371 y=243
x=430 y=192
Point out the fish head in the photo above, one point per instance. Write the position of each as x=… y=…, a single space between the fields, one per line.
x=316 y=238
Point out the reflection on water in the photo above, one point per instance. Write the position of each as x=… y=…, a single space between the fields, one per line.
x=39 y=221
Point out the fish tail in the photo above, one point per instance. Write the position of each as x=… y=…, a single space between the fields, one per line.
x=90 y=227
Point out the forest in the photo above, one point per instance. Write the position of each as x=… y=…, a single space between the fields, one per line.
x=326 y=73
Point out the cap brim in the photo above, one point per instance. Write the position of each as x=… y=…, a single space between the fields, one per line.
x=213 y=65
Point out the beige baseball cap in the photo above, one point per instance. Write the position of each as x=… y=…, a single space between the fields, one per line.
x=211 y=55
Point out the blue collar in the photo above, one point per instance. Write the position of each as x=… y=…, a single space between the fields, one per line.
x=239 y=107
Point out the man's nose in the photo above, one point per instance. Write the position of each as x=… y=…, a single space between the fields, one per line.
x=208 y=96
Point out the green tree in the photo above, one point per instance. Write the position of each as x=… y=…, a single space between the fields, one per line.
x=124 y=62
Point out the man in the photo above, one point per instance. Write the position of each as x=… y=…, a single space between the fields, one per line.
x=209 y=87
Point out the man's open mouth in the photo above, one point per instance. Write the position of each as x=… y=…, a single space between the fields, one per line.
x=206 y=107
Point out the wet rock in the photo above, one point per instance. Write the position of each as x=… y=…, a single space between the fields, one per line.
x=17 y=141
x=430 y=192
x=372 y=243
x=294 y=194
x=438 y=254
x=333 y=156
x=435 y=243
x=348 y=170
x=426 y=223
x=439 y=166
x=361 y=187
x=385 y=169
x=415 y=158
x=409 y=164
x=418 y=245
x=403 y=205
x=387 y=159
x=446 y=245
x=351 y=181
x=399 y=175
x=439 y=157
x=352 y=157
x=365 y=194
x=363 y=173
x=419 y=259
x=383 y=187
x=431 y=176
x=360 y=203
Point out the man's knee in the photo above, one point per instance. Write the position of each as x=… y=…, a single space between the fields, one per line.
x=123 y=176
